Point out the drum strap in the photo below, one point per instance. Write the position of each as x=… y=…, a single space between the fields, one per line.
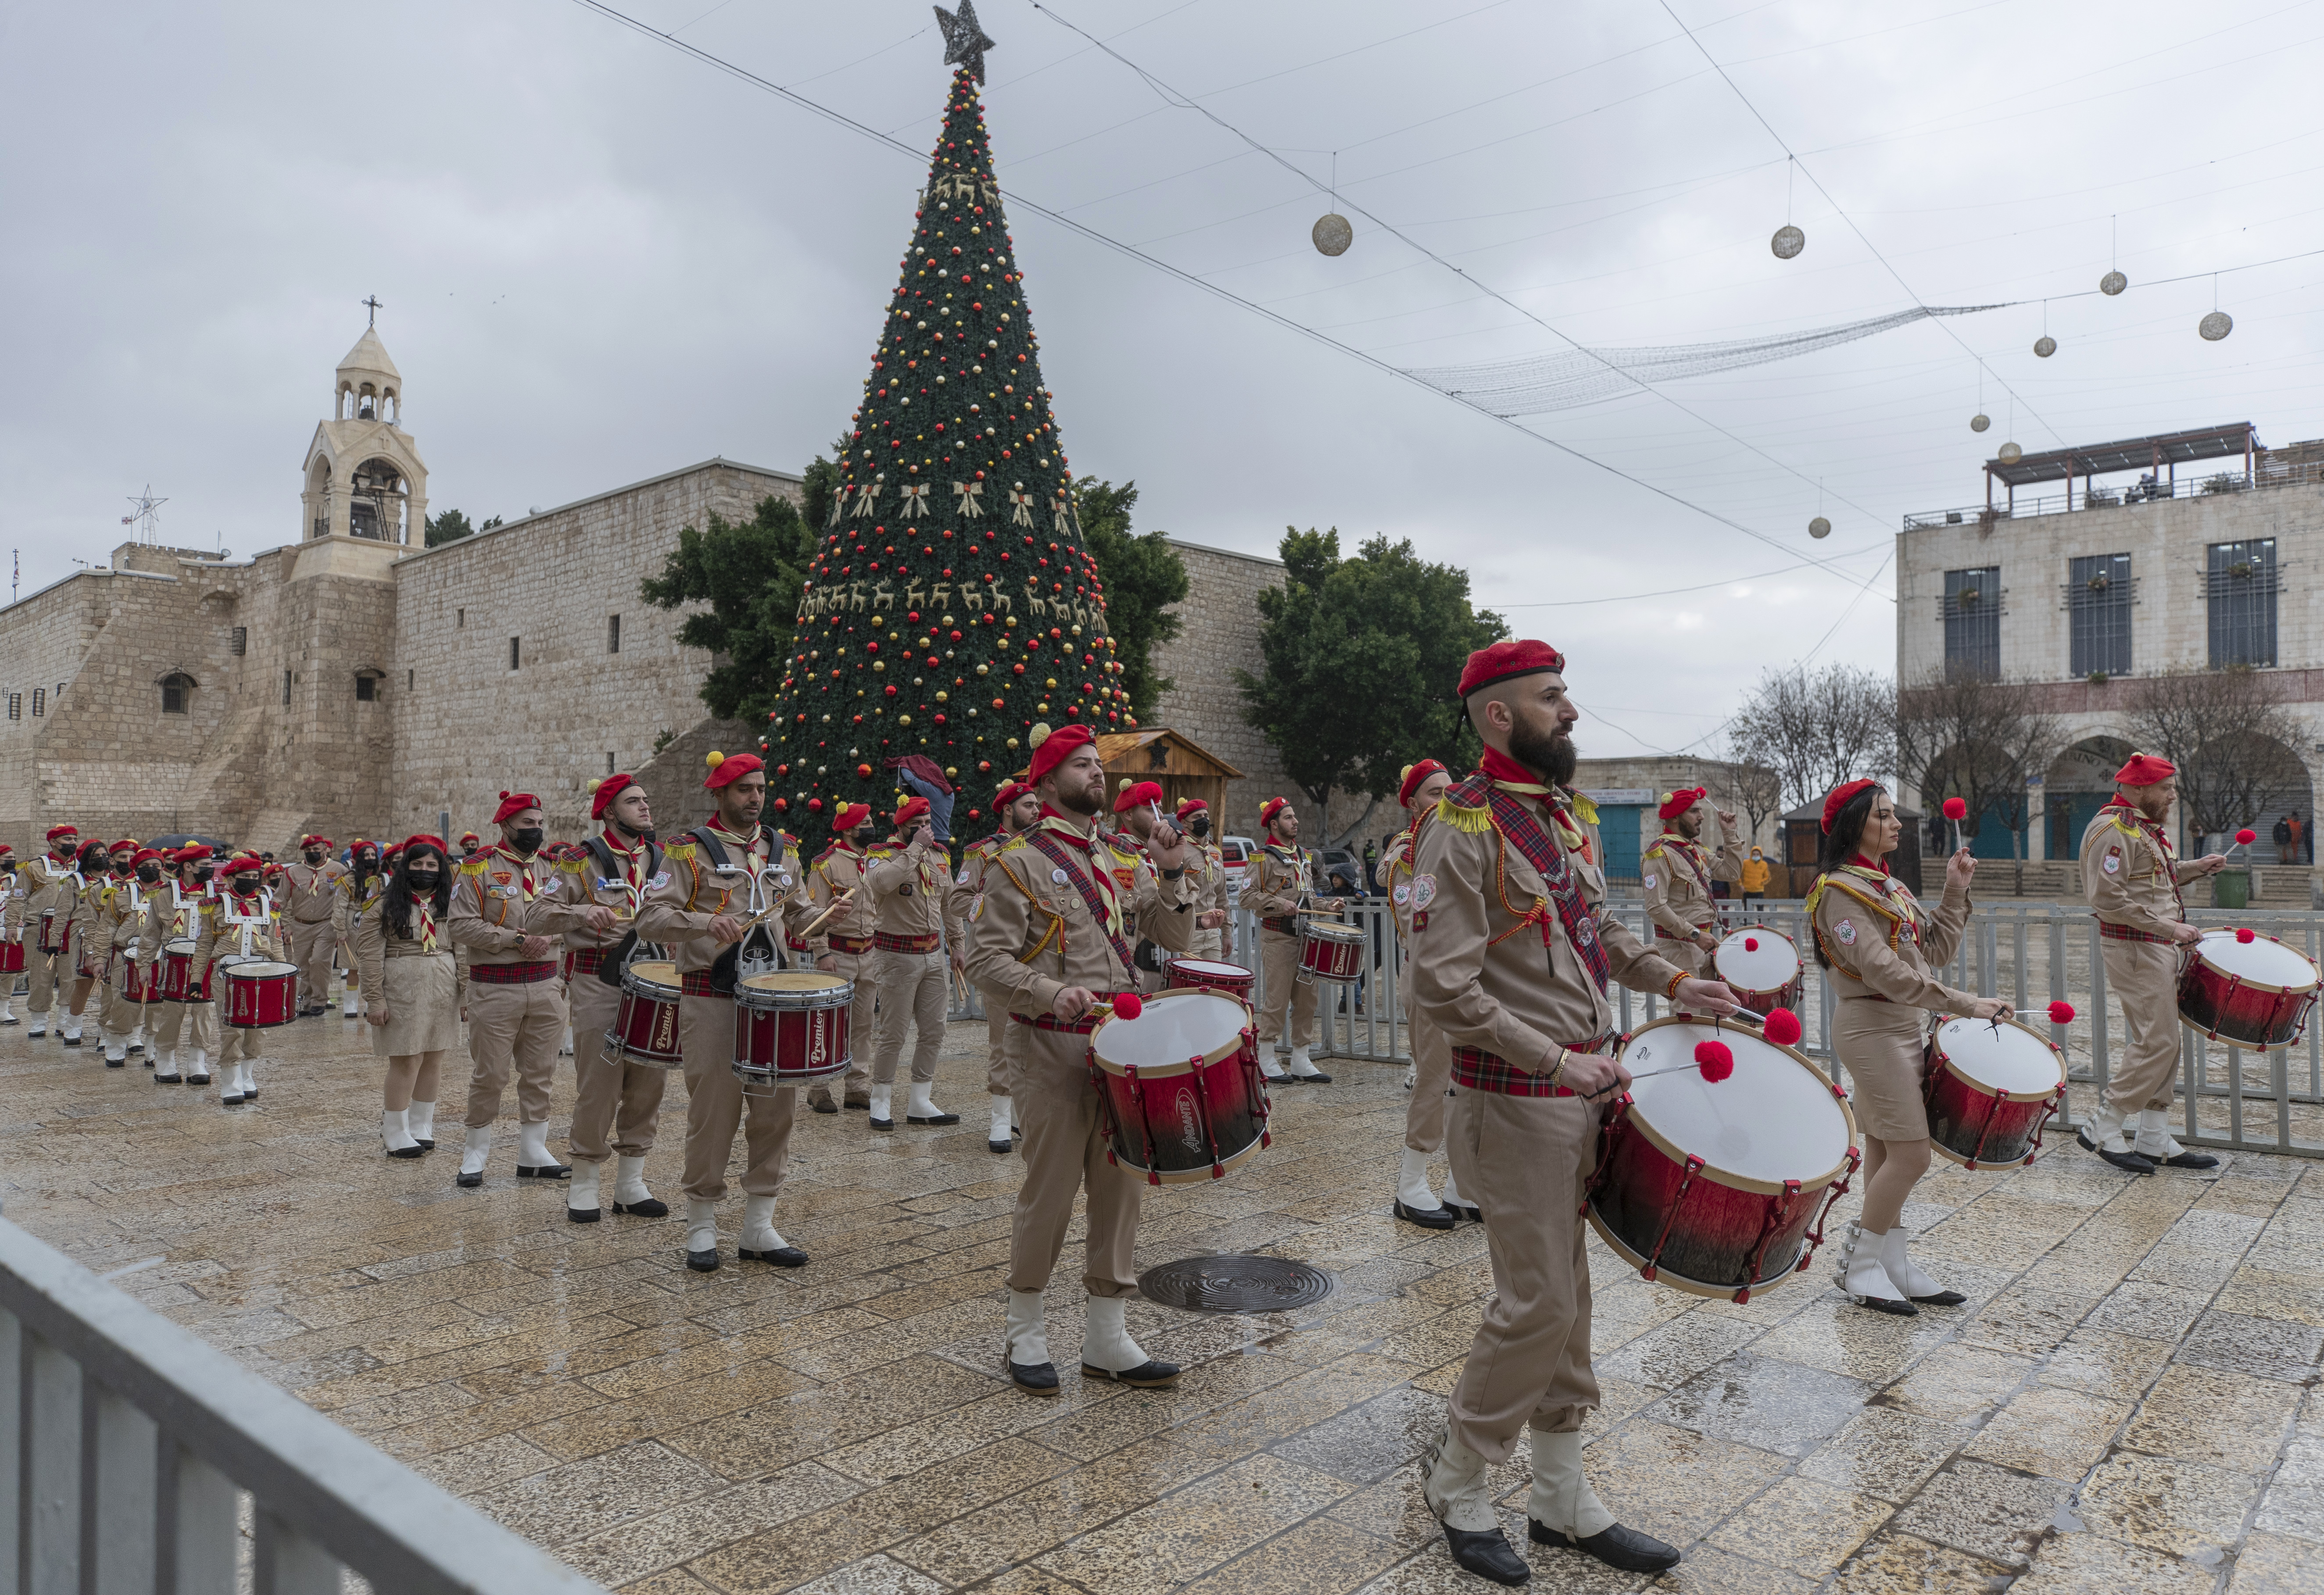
x=1688 y=852
x=1055 y=852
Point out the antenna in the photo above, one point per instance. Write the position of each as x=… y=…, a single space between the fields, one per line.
x=146 y=515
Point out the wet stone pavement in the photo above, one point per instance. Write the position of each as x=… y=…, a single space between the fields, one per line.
x=2128 y=1402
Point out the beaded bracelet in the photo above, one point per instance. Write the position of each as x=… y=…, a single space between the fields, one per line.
x=1670 y=993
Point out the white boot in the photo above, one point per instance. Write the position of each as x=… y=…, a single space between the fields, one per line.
x=165 y=1067
x=2108 y=1130
x=1907 y=1275
x=242 y=1079
x=116 y=1049
x=1459 y=1204
x=1411 y=1075
x=1269 y=1064
x=199 y=1072
x=701 y=1235
x=1562 y=1498
x=396 y=1136
x=998 y=1139
x=476 y=1155
x=1453 y=1483
x=350 y=1009
x=1029 y=1332
x=38 y=1023
x=137 y=1036
x=1411 y=1181
x=629 y=1193
x=1303 y=1067
x=532 y=1159
x=1108 y=1352
x=72 y=1029
x=565 y=1050
x=581 y=1195
x=879 y=1119
x=760 y=1241
x=7 y=1011
x=422 y=1123
x=922 y=1108
x=1865 y=1278
x=230 y=1084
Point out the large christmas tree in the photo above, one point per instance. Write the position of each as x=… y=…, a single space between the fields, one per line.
x=951 y=605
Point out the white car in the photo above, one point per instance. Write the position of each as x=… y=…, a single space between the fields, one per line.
x=1237 y=852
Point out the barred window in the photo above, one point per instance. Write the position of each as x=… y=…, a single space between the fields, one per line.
x=2240 y=583
x=2097 y=611
x=16 y=706
x=40 y=701
x=1972 y=611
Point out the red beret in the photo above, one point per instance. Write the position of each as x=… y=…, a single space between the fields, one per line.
x=1192 y=806
x=606 y=791
x=1502 y=660
x=423 y=840
x=193 y=852
x=911 y=809
x=242 y=862
x=2144 y=770
x=1674 y=803
x=851 y=815
x=360 y=843
x=5 y=847
x=146 y=852
x=1055 y=748
x=1270 y=808
x=389 y=856
x=468 y=836
x=1137 y=796
x=1413 y=774
x=130 y=842
x=305 y=842
x=1010 y=792
x=726 y=769
x=514 y=803
x=58 y=832
x=1839 y=798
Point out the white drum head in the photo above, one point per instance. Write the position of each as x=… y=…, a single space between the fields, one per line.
x=1324 y=932
x=1210 y=969
x=2260 y=960
x=2001 y=1058
x=182 y=944
x=1175 y=1025
x=1771 y=1121
x=259 y=968
x=1770 y=966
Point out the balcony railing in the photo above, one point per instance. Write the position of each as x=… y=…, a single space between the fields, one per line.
x=2292 y=474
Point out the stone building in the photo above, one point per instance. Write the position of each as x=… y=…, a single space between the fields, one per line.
x=1627 y=791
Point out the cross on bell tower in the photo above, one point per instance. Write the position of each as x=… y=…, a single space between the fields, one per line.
x=373 y=302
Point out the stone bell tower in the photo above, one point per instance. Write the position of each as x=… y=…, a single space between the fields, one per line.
x=366 y=499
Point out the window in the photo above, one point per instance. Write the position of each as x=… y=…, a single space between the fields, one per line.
x=2241 y=586
x=1972 y=611
x=286 y=689
x=515 y=656
x=40 y=701
x=613 y=634
x=609 y=764
x=2098 y=614
x=367 y=689
x=177 y=693
x=408 y=678
x=16 y=706
x=459 y=619
x=240 y=641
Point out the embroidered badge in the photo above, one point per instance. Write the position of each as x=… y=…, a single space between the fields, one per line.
x=1402 y=893
x=2113 y=865
x=1846 y=933
x=783 y=878
x=976 y=909
x=903 y=892
x=1419 y=921
x=961 y=878
x=503 y=877
x=1424 y=890
x=658 y=882
x=1648 y=882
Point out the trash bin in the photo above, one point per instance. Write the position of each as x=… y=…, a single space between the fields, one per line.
x=2231 y=889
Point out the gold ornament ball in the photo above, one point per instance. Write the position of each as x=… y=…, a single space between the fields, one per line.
x=1012 y=742
x=1787 y=241
x=2044 y=346
x=1332 y=234
x=2216 y=325
x=2009 y=454
x=981 y=669
x=2113 y=283
x=1819 y=528
x=1980 y=421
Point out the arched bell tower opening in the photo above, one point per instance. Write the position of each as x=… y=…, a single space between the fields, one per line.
x=364 y=478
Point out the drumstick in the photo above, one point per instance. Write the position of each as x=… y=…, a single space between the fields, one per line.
x=815 y=924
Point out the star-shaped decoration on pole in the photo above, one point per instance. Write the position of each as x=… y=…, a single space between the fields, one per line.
x=965 y=40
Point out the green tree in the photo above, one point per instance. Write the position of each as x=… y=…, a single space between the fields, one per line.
x=1143 y=576
x=820 y=486
x=1362 y=657
x=449 y=527
x=749 y=572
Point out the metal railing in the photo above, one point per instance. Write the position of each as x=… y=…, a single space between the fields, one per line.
x=2197 y=484
x=132 y=1453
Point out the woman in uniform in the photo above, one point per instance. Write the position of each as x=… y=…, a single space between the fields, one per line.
x=1879 y=943
x=412 y=979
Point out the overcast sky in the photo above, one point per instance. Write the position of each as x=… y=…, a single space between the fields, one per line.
x=602 y=260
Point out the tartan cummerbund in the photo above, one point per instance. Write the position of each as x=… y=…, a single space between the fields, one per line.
x=1483 y=1071
x=696 y=983
x=1079 y=1026
x=905 y=944
x=850 y=945
x=585 y=961
x=511 y=974
x=1288 y=924
x=2124 y=933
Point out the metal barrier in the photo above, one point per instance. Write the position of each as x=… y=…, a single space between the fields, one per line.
x=131 y=1452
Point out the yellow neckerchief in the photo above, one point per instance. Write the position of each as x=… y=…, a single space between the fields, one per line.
x=523 y=868
x=757 y=848
x=632 y=859
x=426 y=926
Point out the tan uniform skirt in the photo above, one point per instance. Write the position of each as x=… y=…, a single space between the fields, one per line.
x=423 y=1005
x=1881 y=1046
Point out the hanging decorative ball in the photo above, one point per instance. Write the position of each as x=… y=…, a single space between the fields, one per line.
x=2113 y=283
x=1980 y=421
x=2045 y=346
x=1819 y=528
x=2216 y=325
x=2010 y=454
x=1787 y=241
x=1332 y=234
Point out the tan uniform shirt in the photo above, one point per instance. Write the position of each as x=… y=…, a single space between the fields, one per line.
x=498 y=899
x=839 y=869
x=1676 y=875
x=220 y=938
x=1033 y=934
x=694 y=891
x=375 y=942
x=968 y=885
x=1395 y=878
x=120 y=914
x=2131 y=872
x=1277 y=879
x=1205 y=886
x=1878 y=937
x=907 y=887
x=579 y=881
x=88 y=904
x=310 y=891
x=49 y=880
x=168 y=918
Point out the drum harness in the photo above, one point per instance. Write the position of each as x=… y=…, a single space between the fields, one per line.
x=616 y=958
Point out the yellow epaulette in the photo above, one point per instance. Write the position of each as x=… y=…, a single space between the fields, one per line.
x=684 y=843
x=2127 y=826
x=1583 y=809
x=474 y=866
x=1654 y=849
x=1460 y=818
x=571 y=866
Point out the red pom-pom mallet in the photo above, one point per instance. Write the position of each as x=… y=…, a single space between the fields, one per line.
x=1783 y=1026
x=1128 y=1005
x=2061 y=1013
x=2246 y=935
x=1750 y=943
x=2246 y=837
x=1956 y=810
x=1716 y=1059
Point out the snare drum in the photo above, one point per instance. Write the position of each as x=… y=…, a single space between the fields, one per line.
x=1179 y=1093
x=790 y=1026
x=1720 y=1188
x=2253 y=995
x=1761 y=967
x=1991 y=1085
x=140 y=984
x=176 y=966
x=1330 y=951
x=1208 y=974
x=260 y=994
x=645 y=1026
x=54 y=938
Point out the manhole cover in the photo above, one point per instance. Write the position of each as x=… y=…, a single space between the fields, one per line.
x=1235 y=1284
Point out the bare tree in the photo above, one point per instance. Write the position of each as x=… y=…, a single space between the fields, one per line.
x=2231 y=739
x=1757 y=789
x=1977 y=739
x=1816 y=730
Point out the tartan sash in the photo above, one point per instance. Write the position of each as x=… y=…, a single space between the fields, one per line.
x=1051 y=849
x=1519 y=827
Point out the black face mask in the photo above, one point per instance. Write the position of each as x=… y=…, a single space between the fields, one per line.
x=864 y=838
x=423 y=885
x=202 y=874
x=527 y=840
x=365 y=864
x=1198 y=825
x=313 y=855
x=148 y=873
x=244 y=885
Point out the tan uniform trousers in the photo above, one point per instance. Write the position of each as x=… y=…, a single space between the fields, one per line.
x=2145 y=976
x=1423 y=1115
x=1523 y=1160
x=1064 y=1149
x=1279 y=958
x=620 y=1097
x=44 y=972
x=519 y=1027
x=862 y=1019
x=239 y=1046
x=717 y=1105
x=119 y=1016
x=187 y=1024
x=996 y=1067
x=912 y=990
x=313 y=944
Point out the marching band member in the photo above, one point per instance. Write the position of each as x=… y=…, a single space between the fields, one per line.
x=1277 y=888
x=120 y=919
x=45 y=879
x=1137 y=810
x=90 y=872
x=173 y=912
x=712 y=874
x=310 y=904
x=843 y=946
x=617 y=1103
x=1206 y=880
x=357 y=888
x=1676 y=871
x=2131 y=876
x=505 y=912
x=13 y=894
x=1880 y=944
x=1430 y=1076
x=1015 y=807
x=411 y=967
x=239 y=922
x=906 y=883
x=1046 y=942
x=1511 y=963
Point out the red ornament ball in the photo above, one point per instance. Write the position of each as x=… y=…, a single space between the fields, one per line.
x=863 y=769
x=1783 y=1026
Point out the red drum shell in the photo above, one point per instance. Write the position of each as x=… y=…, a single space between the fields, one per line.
x=1974 y=1123
x=1331 y=952
x=62 y=938
x=1186 y=1121
x=260 y=995
x=12 y=955
x=792 y=1028
x=1209 y=974
x=138 y=983
x=645 y=1026
x=176 y=964
x=2237 y=1012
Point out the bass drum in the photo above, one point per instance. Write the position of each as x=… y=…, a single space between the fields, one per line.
x=1179 y=1093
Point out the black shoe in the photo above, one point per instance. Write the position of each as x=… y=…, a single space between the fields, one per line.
x=823 y=1105
x=783 y=1256
x=1317 y=1078
x=250 y=1094
x=166 y=1079
x=652 y=1207
x=403 y=1151
x=1427 y=1218
x=1488 y=1555
x=583 y=1215
x=703 y=1262
x=1148 y=1375
x=1944 y=1298
x=1035 y=1378
x=553 y=1171
x=2132 y=1162
x=883 y=1124
x=1001 y=1149
x=117 y=1063
x=135 y=1047
x=1618 y=1546
x=425 y=1144
x=1466 y=1210
x=230 y=1102
x=2188 y=1160
x=205 y=1080
x=472 y=1180
x=1894 y=1308
x=72 y=1041
x=932 y=1119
